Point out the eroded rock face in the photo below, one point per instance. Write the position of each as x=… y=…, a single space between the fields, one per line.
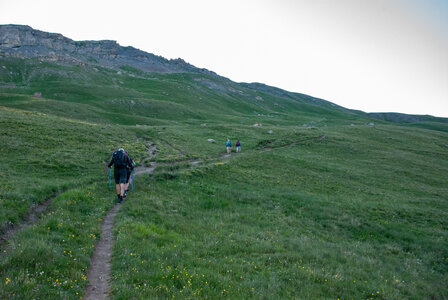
x=24 y=41
x=17 y=36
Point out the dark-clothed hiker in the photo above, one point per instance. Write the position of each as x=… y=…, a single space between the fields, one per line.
x=129 y=170
x=121 y=163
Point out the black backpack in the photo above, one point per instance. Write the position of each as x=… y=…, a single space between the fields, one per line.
x=119 y=160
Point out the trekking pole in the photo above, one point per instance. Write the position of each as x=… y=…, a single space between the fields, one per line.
x=132 y=175
x=110 y=177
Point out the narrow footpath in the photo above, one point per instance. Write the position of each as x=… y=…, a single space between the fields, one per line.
x=98 y=274
x=99 y=271
x=100 y=262
x=32 y=217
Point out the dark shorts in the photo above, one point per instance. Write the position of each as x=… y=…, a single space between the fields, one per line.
x=120 y=175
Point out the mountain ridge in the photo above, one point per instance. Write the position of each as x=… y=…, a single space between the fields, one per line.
x=22 y=41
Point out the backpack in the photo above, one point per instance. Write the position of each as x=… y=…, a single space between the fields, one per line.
x=119 y=160
x=129 y=162
x=238 y=144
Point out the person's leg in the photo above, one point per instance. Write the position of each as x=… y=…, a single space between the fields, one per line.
x=122 y=182
x=126 y=186
x=117 y=182
x=122 y=189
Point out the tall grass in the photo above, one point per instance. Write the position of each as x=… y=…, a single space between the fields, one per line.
x=304 y=221
x=50 y=259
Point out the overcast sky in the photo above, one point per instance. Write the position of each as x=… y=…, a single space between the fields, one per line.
x=371 y=55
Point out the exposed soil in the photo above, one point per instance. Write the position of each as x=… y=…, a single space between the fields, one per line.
x=32 y=217
x=145 y=170
x=99 y=271
x=195 y=163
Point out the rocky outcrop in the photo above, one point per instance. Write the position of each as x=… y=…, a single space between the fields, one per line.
x=24 y=41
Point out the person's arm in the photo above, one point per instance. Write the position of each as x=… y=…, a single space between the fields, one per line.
x=111 y=162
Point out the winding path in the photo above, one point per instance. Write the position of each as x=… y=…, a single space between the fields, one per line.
x=99 y=271
x=100 y=262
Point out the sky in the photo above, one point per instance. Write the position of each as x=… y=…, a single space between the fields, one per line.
x=370 y=55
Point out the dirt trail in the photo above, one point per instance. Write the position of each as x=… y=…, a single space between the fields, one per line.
x=31 y=218
x=145 y=170
x=99 y=270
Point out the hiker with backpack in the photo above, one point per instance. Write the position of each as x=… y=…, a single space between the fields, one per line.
x=238 y=146
x=129 y=170
x=228 y=146
x=121 y=162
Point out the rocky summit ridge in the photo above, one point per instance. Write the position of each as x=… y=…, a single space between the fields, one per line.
x=26 y=42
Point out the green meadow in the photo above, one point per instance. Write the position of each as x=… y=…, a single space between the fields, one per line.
x=318 y=205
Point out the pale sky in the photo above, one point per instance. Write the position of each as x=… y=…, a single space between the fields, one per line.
x=371 y=55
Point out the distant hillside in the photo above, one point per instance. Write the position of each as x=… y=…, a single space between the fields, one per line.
x=106 y=75
x=405 y=118
x=22 y=43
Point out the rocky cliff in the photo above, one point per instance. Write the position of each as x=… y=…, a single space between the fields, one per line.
x=24 y=41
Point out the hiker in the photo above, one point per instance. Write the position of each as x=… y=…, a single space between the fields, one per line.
x=228 y=146
x=238 y=146
x=129 y=169
x=120 y=162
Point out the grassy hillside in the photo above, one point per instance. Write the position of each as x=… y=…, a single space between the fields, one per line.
x=319 y=205
x=342 y=217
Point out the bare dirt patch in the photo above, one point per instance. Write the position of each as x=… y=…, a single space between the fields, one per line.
x=99 y=271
